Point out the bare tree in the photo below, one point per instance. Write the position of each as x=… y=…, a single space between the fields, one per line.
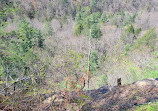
x=89 y=54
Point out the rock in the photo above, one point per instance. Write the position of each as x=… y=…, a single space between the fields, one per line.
x=48 y=100
x=56 y=98
x=147 y=82
x=103 y=89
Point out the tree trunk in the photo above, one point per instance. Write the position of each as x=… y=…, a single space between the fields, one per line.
x=89 y=54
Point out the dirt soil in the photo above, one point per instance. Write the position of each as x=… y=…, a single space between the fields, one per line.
x=125 y=97
x=106 y=98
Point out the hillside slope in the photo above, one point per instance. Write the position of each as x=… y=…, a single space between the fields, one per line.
x=125 y=97
x=73 y=52
x=106 y=98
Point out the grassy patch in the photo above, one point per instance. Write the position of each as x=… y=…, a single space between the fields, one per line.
x=146 y=107
x=102 y=80
x=97 y=81
x=151 y=72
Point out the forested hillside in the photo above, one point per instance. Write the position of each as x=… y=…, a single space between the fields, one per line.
x=49 y=46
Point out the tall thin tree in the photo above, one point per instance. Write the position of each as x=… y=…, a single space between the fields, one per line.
x=89 y=65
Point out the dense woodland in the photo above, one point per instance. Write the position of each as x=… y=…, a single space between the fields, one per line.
x=48 y=46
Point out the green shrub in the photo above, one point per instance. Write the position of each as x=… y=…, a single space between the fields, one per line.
x=63 y=1
x=17 y=50
x=29 y=35
x=93 y=3
x=135 y=74
x=122 y=19
x=93 y=62
x=147 y=39
x=155 y=54
x=153 y=106
x=128 y=35
x=130 y=29
x=103 y=18
x=137 y=31
x=6 y=11
x=129 y=19
x=95 y=31
x=93 y=18
x=126 y=49
x=102 y=80
x=78 y=29
x=86 y=20
x=151 y=72
x=48 y=30
x=72 y=62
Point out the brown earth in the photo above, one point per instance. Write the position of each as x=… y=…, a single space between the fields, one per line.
x=125 y=97
x=108 y=99
x=105 y=98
